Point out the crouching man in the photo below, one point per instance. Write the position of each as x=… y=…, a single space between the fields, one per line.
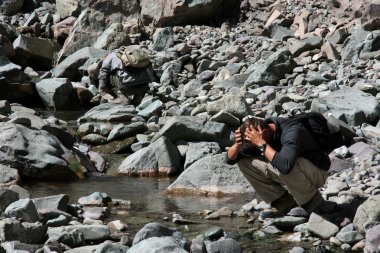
x=283 y=162
x=126 y=74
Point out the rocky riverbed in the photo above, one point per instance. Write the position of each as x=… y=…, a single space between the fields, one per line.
x=217 y=61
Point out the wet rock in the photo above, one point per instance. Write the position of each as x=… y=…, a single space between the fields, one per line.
x=235 y=105
x=96 y=213
x=367 y=212
x=94 y=139
x=161 y=157
x=98 y=161
x=113 y=37
x=214 y=233
x=320 y=227
x=59 y=202
x=372 y=242
x=339 y=103
x=271 y=70
x=225 y=211
x=204 y=176
x=287 y=223
x=90 y=232
x=95 y=199
x=198 y=150
x=34 y=52
x=224 y=245
x=57 y=93
x=163 y=39
x=109 y=112
x=45 y=154
x=8 y=176
x=70 y=66
x=13 y=230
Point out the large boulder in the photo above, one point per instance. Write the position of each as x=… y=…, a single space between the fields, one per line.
x=10 y=7
x=211 y=175
x=58 y=93
x=185 y=12
x=8 y=176
x=57 y=202
x=34 y=52
x=23 y=209
x=67 y=8
x=12 y=229
x=271 y=70
x=191 y=128
x=198 y=150
x=372 y=242
x=44 y=154
x=161 y=157
x=90 y=232
x=12 y=72
x=7 y=197
x=354 y=45
x=235 y=105
x=113 y=37
x=157 y=244
x=152 y=229
x=349 y=105
x=367 y=212
x=109 y=112
x=69 y=67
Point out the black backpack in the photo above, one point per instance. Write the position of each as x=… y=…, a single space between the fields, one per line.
x=317 y=125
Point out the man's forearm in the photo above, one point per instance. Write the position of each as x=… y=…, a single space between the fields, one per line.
x=233 y=152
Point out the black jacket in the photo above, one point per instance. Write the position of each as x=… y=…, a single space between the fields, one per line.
x=291 y=140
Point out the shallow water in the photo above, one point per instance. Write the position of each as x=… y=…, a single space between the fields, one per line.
x=151 y=204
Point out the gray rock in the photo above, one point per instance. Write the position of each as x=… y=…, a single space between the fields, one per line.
x=58 y=222
x=339 y=36
x=96 y=213
x=297 y=47
x=8 y=176
x=113 y=37
x=157 y=244
x=355 y=45
x=320 y=227
x=191 y=128
x=224 y=245
x=23 y=209
x=235 y=105
x=5 y=107
x=12 y=72
x=34 y=52
x=340 y=104
x=95 y=139
x=7 y=197
x=280 y=33
x=72 y=238
x=44 y=153
x=152 y=229
x=109 y=112
x=226 y=118
x=163 y=38
x=123 y=131
x=349 y=235
x=271 y=70
x=170 y=72
x=95 y=199
x=287 y=223
x=70 y=66
x=67 y=8
x=90 y=232
x=84 y=249
x=198 y=245
x=161 y=157
x=214 y=233
x=367 y=212
x=57 y=93
x=372 y=242
x=22 y=193
x=12 y=229
x=16 y=246
x=198 y=150
x=59 y=202
x=10 y=7
x=108 y=246
x=211 y=175
x=297 y=250
x=152 y=109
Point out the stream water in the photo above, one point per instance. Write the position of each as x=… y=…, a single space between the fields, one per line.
x=151 y=204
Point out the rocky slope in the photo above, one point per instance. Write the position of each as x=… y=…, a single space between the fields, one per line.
x=218 y=61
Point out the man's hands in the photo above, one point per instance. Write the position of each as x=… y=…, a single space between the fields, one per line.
x=254 y=136
x=238 y=138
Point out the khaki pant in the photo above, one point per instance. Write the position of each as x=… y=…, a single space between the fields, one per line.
x=302 y=182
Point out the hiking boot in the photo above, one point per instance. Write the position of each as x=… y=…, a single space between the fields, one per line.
x=280 y=207
x=318 y=205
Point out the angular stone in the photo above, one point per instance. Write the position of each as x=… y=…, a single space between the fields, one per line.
x=329 y=51
x=270 y=71
x=12 y=229
x=12 y=72
x=163 y=39
x=297 y=47
x=198 y=150
x=372 y=242
x=10 y=7
x=113 y=37
x=8 y=176
x=17 y=246
x=122 y=131
x=59 y=202
x=34 y=52
x=152 y=229
x=340 y=103
x=339 y=36
x=7 y=197
x=211 y=175
x=157 y=244
x=109 y=112
x=321 y=227
x=224 y=245
x=226 y=118
x=367 y=212
x=90 y=232
x=287 y=223
x=67 y=8
x=23 y=209
x=354 y=45
x=235 y=105
x=95 y=199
